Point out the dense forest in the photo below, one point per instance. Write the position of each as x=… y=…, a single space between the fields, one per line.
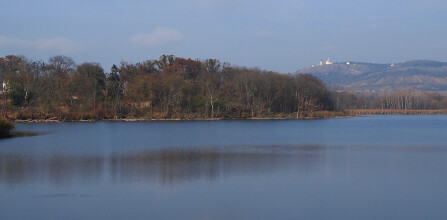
x=168 y=88
x=177 y=88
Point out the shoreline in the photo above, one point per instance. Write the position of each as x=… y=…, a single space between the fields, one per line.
x=316 y=115
x=53 y=120
x=167 y=120
x=395 y=112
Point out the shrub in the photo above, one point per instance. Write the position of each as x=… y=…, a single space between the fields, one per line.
x=5 y=127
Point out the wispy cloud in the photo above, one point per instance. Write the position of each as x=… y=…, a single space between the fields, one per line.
x=160 y=36
x=56 y=44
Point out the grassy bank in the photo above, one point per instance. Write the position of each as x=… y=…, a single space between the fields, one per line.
x=395 y=112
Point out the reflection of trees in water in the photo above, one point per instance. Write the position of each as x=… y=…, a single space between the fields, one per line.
x=57 y=169
x=68 y=169
x=164 y=166
x=17 y=168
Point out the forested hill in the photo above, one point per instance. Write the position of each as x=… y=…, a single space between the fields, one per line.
x=421 y=75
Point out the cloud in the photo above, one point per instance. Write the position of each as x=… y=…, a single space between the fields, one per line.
x=56 y=44
x=59 y=44
x=159 y=37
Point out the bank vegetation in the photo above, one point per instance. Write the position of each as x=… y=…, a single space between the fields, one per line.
x=5 y=127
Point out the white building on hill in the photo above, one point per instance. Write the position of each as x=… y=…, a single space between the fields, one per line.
x=328 y=62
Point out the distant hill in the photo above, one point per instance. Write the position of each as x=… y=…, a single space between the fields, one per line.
x=424 y=75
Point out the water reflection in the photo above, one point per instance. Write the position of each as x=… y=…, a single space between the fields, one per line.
x=173 y=166
x=17 y=134
x=166 y=166
x=17 y=169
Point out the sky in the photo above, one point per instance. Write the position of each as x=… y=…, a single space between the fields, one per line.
x=281 y=35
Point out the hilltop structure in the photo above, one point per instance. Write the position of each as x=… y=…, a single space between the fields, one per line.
x=328 y=62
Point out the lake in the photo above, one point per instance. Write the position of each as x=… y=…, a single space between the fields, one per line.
x=372 y=167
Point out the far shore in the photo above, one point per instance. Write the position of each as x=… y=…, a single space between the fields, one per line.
x=395 y=112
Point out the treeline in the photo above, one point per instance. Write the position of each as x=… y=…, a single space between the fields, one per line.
x=405 y=99
x=168 y=88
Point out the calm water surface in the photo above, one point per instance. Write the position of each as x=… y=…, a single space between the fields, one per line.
x=375 y=167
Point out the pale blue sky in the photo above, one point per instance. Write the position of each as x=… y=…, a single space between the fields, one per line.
x=282 y=35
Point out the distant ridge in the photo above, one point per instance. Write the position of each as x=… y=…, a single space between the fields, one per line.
x=424 y=75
